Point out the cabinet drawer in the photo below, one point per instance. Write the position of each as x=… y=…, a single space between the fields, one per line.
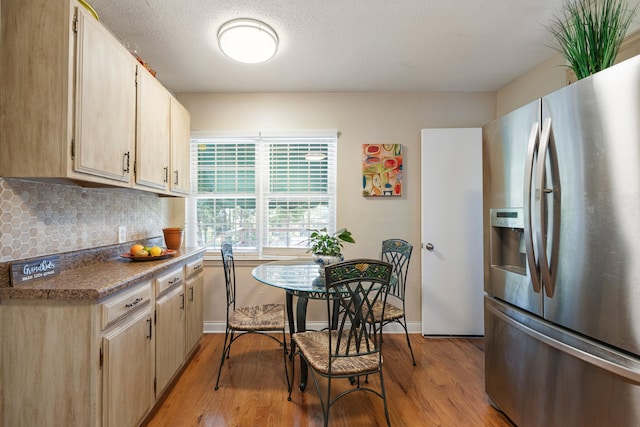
x=168 y=280
x=193 y=267
x=122 y=304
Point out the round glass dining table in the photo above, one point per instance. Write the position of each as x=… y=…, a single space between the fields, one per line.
x=300 y=278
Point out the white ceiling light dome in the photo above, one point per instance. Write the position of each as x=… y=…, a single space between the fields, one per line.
x=247 y=40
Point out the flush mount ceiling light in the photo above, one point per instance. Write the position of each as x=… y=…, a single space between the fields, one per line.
x=247 y=40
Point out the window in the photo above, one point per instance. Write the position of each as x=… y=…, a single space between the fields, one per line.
x=262 y=192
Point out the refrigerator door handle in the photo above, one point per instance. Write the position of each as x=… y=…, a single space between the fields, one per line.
x=528 y=225
x=547 y=270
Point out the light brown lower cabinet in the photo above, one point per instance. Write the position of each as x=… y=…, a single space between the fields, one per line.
x=127 y=366
x=194 y=273
x=170 y=327
x=93 y=363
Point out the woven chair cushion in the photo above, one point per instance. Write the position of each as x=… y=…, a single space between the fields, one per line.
x=315 y=346
x=391 y=312
x=266 y=317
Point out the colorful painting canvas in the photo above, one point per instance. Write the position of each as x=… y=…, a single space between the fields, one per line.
x=381 y=170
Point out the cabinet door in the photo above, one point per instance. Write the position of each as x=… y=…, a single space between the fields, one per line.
x=180 y=155
x=170 y=330
x=127 y=385
x=153 y=133
x=194 y=310
x=105 y=103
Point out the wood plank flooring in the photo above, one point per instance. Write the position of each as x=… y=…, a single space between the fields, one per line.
x=445 y=389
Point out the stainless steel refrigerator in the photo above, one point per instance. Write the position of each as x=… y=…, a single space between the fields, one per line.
x=561 y=222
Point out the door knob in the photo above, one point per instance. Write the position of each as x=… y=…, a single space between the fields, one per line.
x=429 y=246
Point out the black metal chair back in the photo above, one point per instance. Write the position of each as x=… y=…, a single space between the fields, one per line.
x=356 y=286
x=226 y=250
x=398 y=253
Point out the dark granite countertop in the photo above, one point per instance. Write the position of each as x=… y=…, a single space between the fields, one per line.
x=93 y=281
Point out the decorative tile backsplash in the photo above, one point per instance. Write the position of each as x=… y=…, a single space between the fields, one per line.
x=42 y=218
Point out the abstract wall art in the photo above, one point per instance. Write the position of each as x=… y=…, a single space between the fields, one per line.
x=381 y=170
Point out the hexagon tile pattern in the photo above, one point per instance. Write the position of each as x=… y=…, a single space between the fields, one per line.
x=43 y=218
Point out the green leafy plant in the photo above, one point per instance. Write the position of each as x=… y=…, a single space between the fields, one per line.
x=590 y=37
x=325 y=243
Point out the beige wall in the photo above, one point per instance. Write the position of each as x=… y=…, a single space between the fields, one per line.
x=552 y=75
x=360 y=118
x=542 y=80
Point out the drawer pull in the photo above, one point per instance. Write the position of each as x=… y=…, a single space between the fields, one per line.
x=136 y=301
x=174 y=280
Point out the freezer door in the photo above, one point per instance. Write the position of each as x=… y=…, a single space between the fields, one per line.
x=505 y=142
x=595 y=128
x=542 y=376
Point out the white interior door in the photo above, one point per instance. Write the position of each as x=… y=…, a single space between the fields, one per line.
x=452 y=279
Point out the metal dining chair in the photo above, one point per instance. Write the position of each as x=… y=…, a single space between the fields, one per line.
x=398 y=253
x=265 y=319
x=351 y=349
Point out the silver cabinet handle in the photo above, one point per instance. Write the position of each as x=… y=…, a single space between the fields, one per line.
x=429 y=246
x=126 y=159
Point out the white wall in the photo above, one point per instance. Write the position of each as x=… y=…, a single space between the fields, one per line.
x=360 y=118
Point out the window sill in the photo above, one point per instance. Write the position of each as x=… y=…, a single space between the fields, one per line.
x=247 y=259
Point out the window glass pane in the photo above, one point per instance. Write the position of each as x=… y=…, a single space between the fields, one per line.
x=227 y=220
x=289 y=221
x=226 y=168
x=291 y=171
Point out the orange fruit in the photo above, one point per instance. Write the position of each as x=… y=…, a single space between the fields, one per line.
x=136 y=248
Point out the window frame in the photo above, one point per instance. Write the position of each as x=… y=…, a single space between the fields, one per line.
x=262 y=194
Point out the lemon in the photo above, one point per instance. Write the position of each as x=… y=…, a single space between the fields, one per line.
x=155 y=251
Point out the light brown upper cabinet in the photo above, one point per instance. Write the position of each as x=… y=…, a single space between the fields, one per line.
x=105 y=103
x=180 y=161
x=153 y=141
x=68 y=102
x=70 y=108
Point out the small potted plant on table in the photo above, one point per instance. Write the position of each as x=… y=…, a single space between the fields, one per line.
x=326 y=248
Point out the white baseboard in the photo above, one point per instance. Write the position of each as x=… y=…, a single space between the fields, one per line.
x=392 y=328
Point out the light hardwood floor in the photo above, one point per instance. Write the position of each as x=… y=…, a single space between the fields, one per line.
x=445 y=389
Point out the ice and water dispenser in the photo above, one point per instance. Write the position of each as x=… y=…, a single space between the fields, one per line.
x=508 y=250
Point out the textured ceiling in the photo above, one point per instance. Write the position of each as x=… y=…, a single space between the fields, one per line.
x=340 y=45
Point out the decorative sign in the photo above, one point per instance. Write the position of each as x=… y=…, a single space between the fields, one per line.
x=39 y=268
x=381 y=170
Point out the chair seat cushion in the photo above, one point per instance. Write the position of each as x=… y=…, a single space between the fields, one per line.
x=315 y=347
x=266 y=317
x=391 y=312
